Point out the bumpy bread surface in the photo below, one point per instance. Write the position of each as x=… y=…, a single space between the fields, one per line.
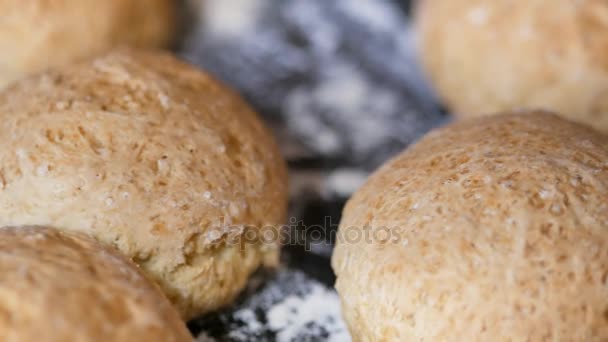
x=66 y=287
x=489 y=56
x=493 y=229
x=40 y=34
x=151 y=156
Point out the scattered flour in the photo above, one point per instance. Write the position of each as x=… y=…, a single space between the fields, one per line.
x=344 y=182
x=290 y=307
x=337 y=78
x=231 y=17
x=320 y=307
x=372 y=12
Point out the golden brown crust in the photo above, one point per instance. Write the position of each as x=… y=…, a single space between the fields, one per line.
x=152 y=156
x=39 y=34
x=498 y=231
x=67 y=287
x=490 y=56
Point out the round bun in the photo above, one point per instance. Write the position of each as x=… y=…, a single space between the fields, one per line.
x=494 y=229
x=153 y=157
x=65 y=287
x=38 y=34
x=502 y=55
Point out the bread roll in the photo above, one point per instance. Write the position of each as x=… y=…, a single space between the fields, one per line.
x=39 y=34
x=501 y=55
x=494 y=229
x=65 y=287
x=153 y=157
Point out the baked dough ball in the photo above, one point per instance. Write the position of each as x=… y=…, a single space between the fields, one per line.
x=39 y=34
x=153 y=157
x=65 y=287
x=494 y=229
x=490 y=56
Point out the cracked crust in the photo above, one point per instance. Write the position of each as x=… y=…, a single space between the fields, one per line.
x=485 y=57
x=151 y=156
x=498 y=231
x=57 y=286
x=40 y=34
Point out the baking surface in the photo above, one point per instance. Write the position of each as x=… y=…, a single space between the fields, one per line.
x=339 y=84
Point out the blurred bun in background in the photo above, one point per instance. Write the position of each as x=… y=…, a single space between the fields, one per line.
x=57 y=286
x=39 y=34
x=489 y=56
x=491 y=229
x=152 y=156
